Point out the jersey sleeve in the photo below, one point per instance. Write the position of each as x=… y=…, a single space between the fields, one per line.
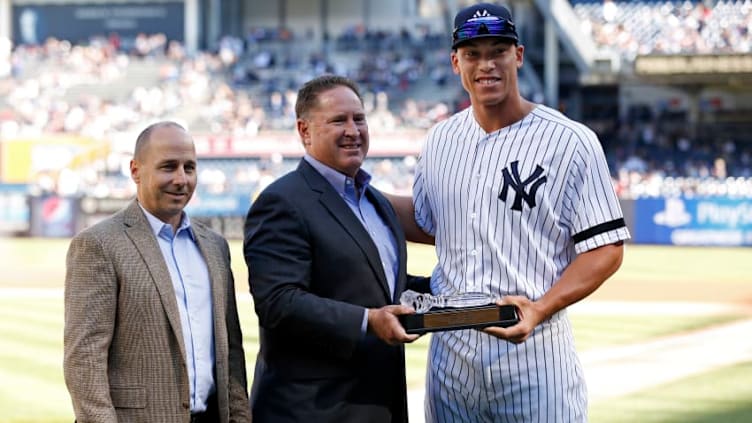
x=598 y=219
x=423 y=212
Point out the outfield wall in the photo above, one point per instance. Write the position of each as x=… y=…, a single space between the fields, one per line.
x=711 y=221
x=692 y=221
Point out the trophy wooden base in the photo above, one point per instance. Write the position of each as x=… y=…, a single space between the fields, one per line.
x=450 y=318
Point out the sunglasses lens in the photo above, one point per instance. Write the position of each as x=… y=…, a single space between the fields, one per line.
x=484 y=26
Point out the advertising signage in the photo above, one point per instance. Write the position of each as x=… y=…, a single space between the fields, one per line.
x=693 y=221
x=34 y=23
x=14 y=208
x=708 y=64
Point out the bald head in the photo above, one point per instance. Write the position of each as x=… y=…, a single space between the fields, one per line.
x=145 y=136
x=164 y=170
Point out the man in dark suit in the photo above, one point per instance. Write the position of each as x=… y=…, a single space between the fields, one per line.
x=326 y=260
x=151 y=325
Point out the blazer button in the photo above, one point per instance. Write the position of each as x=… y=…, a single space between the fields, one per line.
x=186 y=405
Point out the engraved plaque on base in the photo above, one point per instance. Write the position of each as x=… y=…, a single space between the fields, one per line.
x=450 y=318
x=452 y=312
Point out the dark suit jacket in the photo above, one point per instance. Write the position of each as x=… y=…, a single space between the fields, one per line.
x=313 y=269
x=124 y=350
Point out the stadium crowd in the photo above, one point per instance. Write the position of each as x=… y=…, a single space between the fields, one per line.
x=109 y=88
x=668 y=27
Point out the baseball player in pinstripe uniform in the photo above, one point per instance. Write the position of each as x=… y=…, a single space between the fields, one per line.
x=520 y=202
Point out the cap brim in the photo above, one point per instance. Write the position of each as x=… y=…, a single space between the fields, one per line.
x=478 y=37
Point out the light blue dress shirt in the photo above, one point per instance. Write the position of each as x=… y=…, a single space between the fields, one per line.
x=352 y=190
x=190 y=280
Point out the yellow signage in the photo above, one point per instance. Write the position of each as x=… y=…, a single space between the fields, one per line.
x=23 y=159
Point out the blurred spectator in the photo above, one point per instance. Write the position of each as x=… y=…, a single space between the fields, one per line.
x=243 y=91
x=668 y=27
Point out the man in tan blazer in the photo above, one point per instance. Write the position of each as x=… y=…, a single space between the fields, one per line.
x=151 y=325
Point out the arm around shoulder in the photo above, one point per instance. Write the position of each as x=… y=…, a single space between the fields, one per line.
x=403 y=206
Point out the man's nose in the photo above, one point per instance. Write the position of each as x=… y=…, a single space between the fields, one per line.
x=180 y=177
x=351 y=129
x=487 y=63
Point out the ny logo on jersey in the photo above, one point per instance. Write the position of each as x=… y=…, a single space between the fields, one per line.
x=512 y=179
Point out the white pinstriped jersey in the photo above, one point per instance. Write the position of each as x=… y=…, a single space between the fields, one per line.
x=510 y=210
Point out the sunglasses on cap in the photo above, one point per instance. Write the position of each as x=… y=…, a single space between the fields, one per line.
x=484 y=27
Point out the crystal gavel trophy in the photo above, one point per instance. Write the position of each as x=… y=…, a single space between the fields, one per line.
x=456 y=311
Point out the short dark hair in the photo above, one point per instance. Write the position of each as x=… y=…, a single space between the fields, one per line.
x=308 y=94
x=145 y=135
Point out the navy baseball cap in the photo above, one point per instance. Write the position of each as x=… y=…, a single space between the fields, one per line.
x=483 y=20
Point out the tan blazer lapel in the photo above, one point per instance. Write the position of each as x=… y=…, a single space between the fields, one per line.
x=214 y=262
x=214 y=257
x=140 y=232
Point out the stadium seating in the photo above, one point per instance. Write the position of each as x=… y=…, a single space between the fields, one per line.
x=247 y=87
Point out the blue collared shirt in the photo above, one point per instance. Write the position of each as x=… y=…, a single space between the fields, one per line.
x=190 y=280
x=352 y=190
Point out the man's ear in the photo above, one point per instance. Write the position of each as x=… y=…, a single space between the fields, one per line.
x=304 y=131
x=455 y=65
x=134 y=171
x=520 y=55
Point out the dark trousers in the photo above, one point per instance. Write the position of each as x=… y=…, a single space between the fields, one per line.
x=210 y=415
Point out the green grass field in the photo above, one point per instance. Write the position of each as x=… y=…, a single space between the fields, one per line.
x=33 y=389
x=722 y=396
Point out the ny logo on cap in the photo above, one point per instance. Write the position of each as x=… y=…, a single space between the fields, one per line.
x=481 y=14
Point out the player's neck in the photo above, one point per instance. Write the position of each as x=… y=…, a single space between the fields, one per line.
x=497 y=116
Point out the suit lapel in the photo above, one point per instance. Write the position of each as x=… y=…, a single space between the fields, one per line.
x=331 y=200
x=390 y=219
x=138 y=230
x=212 y=256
